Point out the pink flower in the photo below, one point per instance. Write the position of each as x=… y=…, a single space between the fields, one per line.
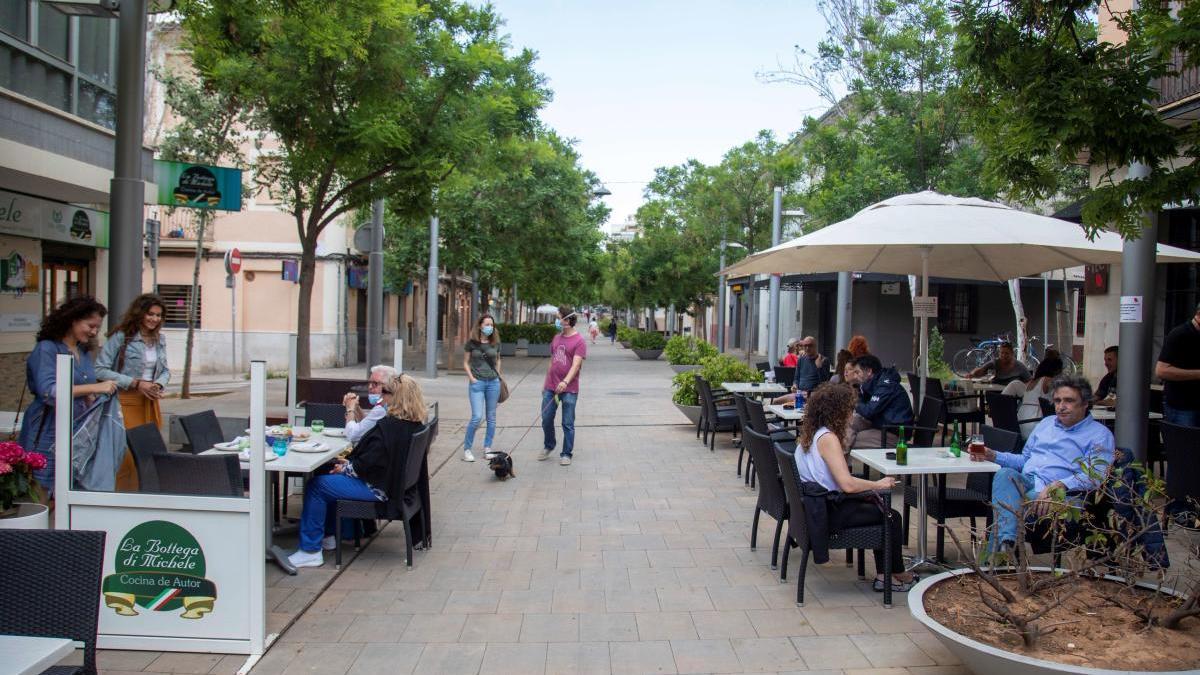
x=5 y=468
x=35 y=460
x=10 y=452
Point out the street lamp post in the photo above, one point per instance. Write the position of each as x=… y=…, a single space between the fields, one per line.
x=773 y=298
x=721 y=302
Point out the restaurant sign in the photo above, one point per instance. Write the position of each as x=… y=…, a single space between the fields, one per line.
x=159 y=568
x=198 y=186
x=36 y=218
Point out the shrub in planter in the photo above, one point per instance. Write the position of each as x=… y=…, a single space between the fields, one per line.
x=648 y=340
x=685 y=389
x=687 y=350
x=725 y=368
x=540 y=333
x=625 y=334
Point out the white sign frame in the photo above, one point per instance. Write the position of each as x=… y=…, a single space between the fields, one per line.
x=925 y=306
x=1131 y=309
x=78 y=509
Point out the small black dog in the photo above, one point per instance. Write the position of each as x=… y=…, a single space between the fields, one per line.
x=501 y=464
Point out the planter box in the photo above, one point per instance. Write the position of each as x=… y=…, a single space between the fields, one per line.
x=984 y=659
x=508 y=349
x=29 y=517
x=626 y=344
x=692 y=412
x=648 y=354
x=535 y=349
x=683 y=369
x=522 y=343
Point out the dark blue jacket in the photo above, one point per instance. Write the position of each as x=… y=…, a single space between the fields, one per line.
x=884 y=402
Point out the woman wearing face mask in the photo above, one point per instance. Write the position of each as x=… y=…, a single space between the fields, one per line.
x=135 y=357
x=481 y=360
x=70 y=329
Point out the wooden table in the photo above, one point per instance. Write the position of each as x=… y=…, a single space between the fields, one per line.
x=294 y=461
x=793 y=415
x=23 y=655
x=754 y=388
x=921 y=463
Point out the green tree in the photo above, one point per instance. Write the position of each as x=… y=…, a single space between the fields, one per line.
x=365 y=98
x=1047 y=88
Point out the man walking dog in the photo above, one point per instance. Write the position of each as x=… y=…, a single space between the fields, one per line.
x=567 y=352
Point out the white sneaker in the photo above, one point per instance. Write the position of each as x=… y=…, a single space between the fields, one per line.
x=545 y=454
x=306 y=559
x=467 y=456
x=329 y=543
x=488 y=453
x=565 y=461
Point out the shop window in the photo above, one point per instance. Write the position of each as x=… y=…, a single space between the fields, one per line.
x=176 y=296
x=1081 y=315
x=61 y=281
x=1182 y=280
x=34 y=78
x=96 y=48
x=14 y=18
x=956 y=308
x=97 y=105
x=54 y=31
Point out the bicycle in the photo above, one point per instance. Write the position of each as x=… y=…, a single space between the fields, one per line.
x=984 y=352
x=1032 y=361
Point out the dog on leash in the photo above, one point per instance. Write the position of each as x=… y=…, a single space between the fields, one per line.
x=501 y=464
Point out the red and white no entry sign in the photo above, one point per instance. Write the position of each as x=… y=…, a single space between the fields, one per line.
x=233 y=261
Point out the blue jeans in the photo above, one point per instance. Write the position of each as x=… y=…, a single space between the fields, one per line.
x=549 y=409
x=1184 y=418
x=320 y=499
x=1006 y=493
x=485 y=397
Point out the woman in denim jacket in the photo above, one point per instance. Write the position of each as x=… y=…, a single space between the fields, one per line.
x=135 y=357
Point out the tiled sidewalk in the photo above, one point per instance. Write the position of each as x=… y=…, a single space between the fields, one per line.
x=634 y=559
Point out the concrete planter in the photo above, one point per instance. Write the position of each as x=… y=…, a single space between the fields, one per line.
x=522 y=343
x=29 y=517
x=508 y=349
x=683 y=369
x=983 y=659
x=535 y=349
x=626 y=344
x=692 y=412
x=648 y=354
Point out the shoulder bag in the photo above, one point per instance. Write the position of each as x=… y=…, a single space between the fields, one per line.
x=503 y=384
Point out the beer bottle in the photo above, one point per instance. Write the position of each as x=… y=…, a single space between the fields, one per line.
x=955 y=447
x=901 y=449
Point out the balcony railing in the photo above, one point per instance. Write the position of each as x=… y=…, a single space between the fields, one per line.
x=1175 y=88
x=179 y=225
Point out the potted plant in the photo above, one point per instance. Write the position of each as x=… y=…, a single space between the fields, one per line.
x=509 y=332
x=625 y=335
x=684 y=352
x=714 y=369
x=539 y=335
x=1076 y=618
x=648 y=345
x=20 y=495
x=686 y=398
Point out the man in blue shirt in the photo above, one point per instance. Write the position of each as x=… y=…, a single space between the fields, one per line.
x=1064 y=453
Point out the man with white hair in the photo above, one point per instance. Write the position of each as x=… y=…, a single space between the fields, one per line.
x=358 y=422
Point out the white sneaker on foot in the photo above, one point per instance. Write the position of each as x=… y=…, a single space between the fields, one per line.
x=467 y=456
x=565 y=461
x=545 y=454
x=306 y=559
x=329 y=543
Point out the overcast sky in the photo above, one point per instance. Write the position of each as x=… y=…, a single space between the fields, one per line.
x=653 y=83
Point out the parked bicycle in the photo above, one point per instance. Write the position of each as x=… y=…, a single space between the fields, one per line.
x=986 y=351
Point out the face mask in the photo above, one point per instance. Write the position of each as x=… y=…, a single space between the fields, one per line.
x=374 y=398
x=487 y=331
x=558 y=324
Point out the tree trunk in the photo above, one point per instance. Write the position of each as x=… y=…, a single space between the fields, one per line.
x=1014 y=293
x=186 y=392
x=308 y=266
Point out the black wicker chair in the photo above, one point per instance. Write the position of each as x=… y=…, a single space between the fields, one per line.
x=785 y=375
x=1004 y=411
x=332 y=414
x=866 y=537
x=410 y=504
x=210 y=475
x=716 y=419
x=722 y=399
x=771 y=498
x=763 y=366
x=740 y=404
x=51 y=588
x=203 y=431
x=933 y=388
x=146 y=442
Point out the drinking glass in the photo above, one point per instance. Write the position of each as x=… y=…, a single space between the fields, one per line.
x=976 y=445
x=318 y=426
x=279 y=445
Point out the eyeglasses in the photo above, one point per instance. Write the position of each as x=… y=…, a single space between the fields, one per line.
x=388 y=391
x=372 y=383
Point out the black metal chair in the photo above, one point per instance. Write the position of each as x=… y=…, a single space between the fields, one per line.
x=51 y=588
x=203 y=431
x=332 y=414
x=146 y=442
x=408 y=501
x=866 y=537
x=763 y=366
x=209 y=475
x=1003 y=410
x=785 y=375
x=933 y=388
x=716 y=419
x=1182 y=447
x=771 y=498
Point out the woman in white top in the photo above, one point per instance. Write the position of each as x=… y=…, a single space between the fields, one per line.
x=819 y=459
x=1030 y=411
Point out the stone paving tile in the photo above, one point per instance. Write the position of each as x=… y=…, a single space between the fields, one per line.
x=665 y=626
x=832 y=651
x=550 y=628
x=451 y=658
x=323 y=659
x=641 y=657
x=183 y=663
x=517 y=659
x=891 y=651
x=684 y=600
x=766 y=654
x=385 y=658
x=934 y=648
x=779 y=622
x=120 y=659
x=842 y=620
x=318 y=628
x=380 y=628
x=705 y=656
x=434 y=628
x=584 y=658
x=491 y=628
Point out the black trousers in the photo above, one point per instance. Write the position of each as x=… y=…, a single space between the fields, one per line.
x=860 y=513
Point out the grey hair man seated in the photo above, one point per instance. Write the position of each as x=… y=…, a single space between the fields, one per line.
x=358 y=421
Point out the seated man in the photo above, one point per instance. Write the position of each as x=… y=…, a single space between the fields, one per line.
x=1106 y=391
x=1005 y=368
x=882 y=402
x=1057 y=459
x=358 y=422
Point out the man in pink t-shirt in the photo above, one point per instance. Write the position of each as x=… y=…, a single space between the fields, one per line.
x=567 y=352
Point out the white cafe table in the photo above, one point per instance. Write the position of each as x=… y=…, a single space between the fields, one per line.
x=24 y=655
x=921 y=463
x=758 y=388
x=793 y=415
x=294 y=461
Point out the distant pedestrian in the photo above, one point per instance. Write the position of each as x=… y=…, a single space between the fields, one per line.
x=567 y=352
x=135 y=357
x=612 y=330
x=593 y=330
x=481 y=360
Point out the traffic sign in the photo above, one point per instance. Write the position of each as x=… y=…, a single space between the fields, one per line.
x=233 y=261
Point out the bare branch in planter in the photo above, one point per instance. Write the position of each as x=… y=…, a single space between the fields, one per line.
x=988 y=577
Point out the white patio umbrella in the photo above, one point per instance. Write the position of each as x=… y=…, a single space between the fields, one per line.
x=955 y=237
x=546 y=309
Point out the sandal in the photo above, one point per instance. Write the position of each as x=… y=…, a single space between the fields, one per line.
x=897 y=586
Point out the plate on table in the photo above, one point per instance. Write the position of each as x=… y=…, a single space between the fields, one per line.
x=267 y=457
x=231 y=446
x=300 y=434
x=334 y=432
x=309 y=446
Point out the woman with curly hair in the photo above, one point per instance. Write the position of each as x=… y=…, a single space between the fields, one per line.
x=135 y=357
x=69 y=329
x=858 y=346
x=819 y=459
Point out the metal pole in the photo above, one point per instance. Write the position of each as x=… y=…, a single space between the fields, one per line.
x=375 y=286
x=773 y=298
x=233 y=324
x=398 y=355
x=721 y=303
x=127 y=189
x=1045 y=315
x=431 y=303
x=845 y=300
x=1136 y=332
x=924 y=348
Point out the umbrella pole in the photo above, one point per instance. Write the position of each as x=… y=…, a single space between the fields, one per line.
x=924 y=347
